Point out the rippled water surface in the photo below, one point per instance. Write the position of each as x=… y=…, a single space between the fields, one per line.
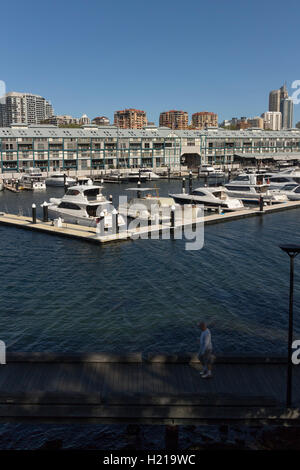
x=146 y=295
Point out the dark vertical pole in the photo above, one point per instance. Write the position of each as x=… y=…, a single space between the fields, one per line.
x=33 y=213
x=172 y=216
x=45 y=212
x=290 y=339
x=169 y=171
x=183 y=185
x=198 y=172
x=190 y=182
x=139 y=192
x=65 y=182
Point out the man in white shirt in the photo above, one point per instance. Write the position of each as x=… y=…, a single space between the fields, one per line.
x=205 y=351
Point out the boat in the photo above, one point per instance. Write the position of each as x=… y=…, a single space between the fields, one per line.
x=32 y=179
x=251 y=187
x=153 y=207
x=210 y=171
x=59 y=179
x=291 y=190
x=136 y=176
x=214 y=197
x=149 y=174
x=83 y=205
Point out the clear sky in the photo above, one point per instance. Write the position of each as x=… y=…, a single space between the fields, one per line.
x=97 y=56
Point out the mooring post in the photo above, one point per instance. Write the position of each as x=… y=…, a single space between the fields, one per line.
x=190 y=182
x=198 y=172
x=172 y=217
x=100 y=224
x=45 y=211
x=33 y=213
x=261 y=204
x=183 y=185
x=138 y=191
x=65 y=182
x=169 y=173
x=115 y=221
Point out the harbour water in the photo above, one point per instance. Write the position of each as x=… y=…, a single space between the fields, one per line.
x=144 y=295
x=147 y=295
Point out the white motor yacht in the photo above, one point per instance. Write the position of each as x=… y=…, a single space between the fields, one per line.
x=213 y=197
x=83 y=205
x=291 y=190
x=209 y=170
x=250 y=187
x=33 y=179
x=58 y=179
x=150 y=206
x=149 y=174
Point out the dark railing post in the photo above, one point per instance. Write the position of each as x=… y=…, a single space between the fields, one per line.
x=290 y=338
x=292 y=251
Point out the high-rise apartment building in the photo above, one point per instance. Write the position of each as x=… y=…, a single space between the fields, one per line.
x=130 y=119
x=174 y=119
x=204 y=119
x=272 y=120
x=287 y=111
x=256 y=121
x=275 y=98
x=24 y=108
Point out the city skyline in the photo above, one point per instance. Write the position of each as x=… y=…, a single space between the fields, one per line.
x=129 y=64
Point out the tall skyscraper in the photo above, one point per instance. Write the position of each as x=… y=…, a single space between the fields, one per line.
x=287 y=111
x=272 y=120
x=274 y=101
x=24 y=108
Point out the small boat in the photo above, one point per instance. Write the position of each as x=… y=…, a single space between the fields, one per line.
x=59 y=179
x=251 y=187
x=136 y=176
x=32 y=179
x=213 y=197
x=210 y=171
x=149 y=174
x=83 y=205
x=152 y=206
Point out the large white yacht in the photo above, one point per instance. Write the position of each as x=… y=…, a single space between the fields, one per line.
x=210 y=197
x=33 y=179
x=58 y=179
x=250 y=187
x=150 y=206
x=291 y=190
x=83 y=205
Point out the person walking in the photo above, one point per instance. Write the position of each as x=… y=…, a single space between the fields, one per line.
x=205 y=351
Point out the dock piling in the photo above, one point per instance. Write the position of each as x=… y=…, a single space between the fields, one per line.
x=115 y=221
x=33 y=213
x=183 y=185
x=45 y=211
x=261 y=204
x=190 y=182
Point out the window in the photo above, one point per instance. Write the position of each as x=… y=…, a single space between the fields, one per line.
x=69 y=205
x=73 y=192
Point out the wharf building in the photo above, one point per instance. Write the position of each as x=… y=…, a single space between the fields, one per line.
x=91 y=147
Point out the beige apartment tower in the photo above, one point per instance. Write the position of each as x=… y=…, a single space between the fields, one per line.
x=174 y=119
x=130 y=119
x=204 y=119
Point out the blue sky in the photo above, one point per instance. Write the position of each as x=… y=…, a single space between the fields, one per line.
x=95 y=57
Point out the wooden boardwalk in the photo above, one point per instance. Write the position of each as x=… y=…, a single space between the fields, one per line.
x=104 y=388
